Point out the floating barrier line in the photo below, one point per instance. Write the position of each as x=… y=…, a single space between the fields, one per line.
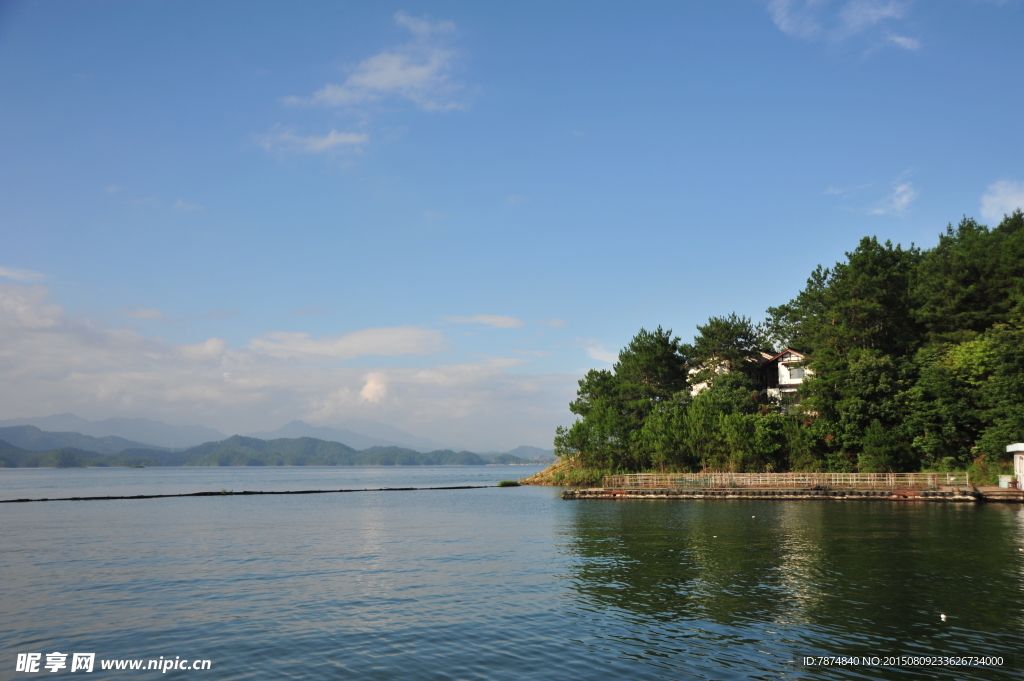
x=243 y=494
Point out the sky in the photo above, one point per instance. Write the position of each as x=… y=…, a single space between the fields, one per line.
x=439 y=215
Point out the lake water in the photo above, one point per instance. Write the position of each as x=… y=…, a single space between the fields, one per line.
x=497 y=583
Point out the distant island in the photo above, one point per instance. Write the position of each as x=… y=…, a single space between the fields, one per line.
x=30 y=447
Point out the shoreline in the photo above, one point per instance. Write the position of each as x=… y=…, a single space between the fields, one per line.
x=948 y=495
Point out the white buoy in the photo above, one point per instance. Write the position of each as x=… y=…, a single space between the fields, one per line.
x=943 y=617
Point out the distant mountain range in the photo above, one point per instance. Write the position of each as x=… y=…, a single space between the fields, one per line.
x=33 y=439
x=147 y=431
x=63 y=457
x=160 y=444
x=239 y=451
x=117 y=434
x=351 y=438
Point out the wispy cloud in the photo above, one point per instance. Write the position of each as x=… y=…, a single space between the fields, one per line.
x=423 y=28
x=388 y=341
x=837 y=21
x=906 y=42
x=845 y=192
x=596 y=350
x=858 y=15
x=186 y=206
x=795 y=18
x=16 y=274
x=497 y=321
x=898 y=200
x=554 y=323
x=515 y=199
x=312 y=144
x=420 y=72
x=1002 y=198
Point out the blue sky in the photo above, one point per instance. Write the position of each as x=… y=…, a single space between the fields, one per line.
x=438 y=216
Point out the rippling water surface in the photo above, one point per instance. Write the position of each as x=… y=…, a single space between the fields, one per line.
x=498 y=583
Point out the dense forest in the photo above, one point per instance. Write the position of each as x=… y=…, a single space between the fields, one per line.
x=914 y=361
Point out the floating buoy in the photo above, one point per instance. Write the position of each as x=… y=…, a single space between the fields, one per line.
x=943 y=617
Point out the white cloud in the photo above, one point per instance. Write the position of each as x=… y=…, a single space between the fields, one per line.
x=422 y=28
x=51 y=362
x=16 y=274
x=402 y=340
x=210 y=350
x=1002 y=198
x=514 y=199
x=312 y=144
x=795 y=17
x=858 y=15
x=375 y=388
x=596 y=350
x=420 y=72
x=496 y=321
x=906 y=42
x=835 y=21
x=554 y=323
x=902 y=195
x=186 y=206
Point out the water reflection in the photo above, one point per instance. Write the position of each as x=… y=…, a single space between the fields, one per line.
x=802 y=578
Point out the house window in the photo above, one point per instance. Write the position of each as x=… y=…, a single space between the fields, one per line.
x=796 y=372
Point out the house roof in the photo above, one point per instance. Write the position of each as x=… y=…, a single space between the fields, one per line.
x=784 y=352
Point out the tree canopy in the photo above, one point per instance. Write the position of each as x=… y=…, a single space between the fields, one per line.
x=915 y=359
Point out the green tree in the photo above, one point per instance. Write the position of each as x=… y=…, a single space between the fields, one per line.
x=613 y=405
x=972 y=280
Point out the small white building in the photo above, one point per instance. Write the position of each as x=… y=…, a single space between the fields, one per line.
x=1017 y=449
x=782 y=374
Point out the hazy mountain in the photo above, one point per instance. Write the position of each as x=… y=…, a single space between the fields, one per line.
x=531 y=453
x=356 y=440
x=59 y=423
x=384 y=432
x=33 y=439
x=139 y=430
x=521 y=454
x=304 y=451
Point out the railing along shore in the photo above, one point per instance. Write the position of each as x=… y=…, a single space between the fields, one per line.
x=787 y=480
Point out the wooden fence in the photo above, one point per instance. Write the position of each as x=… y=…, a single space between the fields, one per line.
x=787 y=480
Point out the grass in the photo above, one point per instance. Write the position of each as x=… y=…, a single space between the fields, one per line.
x=508 y=483
x=568 y=474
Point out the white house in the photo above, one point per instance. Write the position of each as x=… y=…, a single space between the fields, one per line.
x=779 y=375
x=782 y=374
x=1017 y=449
